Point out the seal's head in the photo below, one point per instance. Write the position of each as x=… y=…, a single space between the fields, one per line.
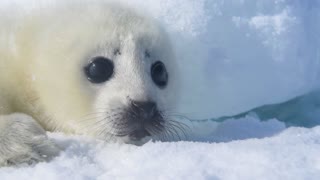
x=104 y=71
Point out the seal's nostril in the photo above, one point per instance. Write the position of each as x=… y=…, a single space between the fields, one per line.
x=146 y=108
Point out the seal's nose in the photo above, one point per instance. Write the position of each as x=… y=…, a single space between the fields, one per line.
x=146 y=109
x=145 y=119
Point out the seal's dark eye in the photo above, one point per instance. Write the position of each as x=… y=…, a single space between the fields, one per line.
x=99 y=70
x=159 y=74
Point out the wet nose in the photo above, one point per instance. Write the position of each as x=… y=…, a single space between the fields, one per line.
x=146 y=109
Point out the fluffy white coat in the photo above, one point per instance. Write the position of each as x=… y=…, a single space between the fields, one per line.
x=42 y=84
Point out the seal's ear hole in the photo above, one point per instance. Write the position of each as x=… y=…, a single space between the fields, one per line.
x=99 y=70
x=159 y=74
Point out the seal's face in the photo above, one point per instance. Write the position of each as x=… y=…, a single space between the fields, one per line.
x=131 y=81
x=112 y=74
x=131 y=77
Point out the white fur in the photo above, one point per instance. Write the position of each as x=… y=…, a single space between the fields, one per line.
x=42 y=55
x=22 y=140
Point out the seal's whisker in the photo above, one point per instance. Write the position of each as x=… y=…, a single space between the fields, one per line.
x=174 y=132
x=180 y=129
x=92 y=117
x=156 y=129
x=177 y=115
x=165 y=135
x=169 y=134
x=180 y=124
x=110 y=125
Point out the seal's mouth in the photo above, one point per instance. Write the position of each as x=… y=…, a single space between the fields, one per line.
x=133 y=128
x=136 y=135
x=139 y=134
x=147 y=130
x=140 y=122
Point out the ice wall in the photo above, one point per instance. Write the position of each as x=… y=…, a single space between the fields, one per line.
x=235 y=55
x=239 y=54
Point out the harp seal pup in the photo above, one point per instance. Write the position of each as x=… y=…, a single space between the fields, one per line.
x=90 y=68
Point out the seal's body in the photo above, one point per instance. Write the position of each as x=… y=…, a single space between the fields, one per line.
x=91 y=68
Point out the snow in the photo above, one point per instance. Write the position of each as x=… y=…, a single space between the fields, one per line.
x=234 y=55
x=254 y=150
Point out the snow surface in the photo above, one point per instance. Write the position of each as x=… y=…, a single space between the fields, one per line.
x=280 y=154
x=235 y=55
